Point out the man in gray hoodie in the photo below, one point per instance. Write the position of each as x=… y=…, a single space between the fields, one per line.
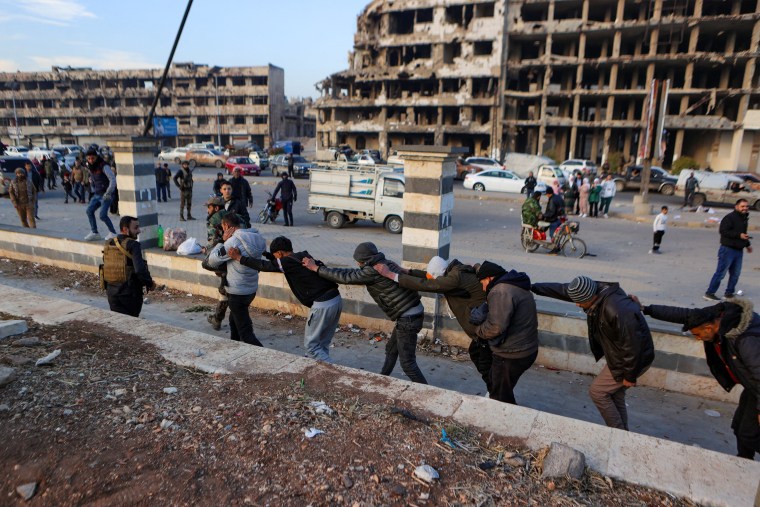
x=510 y=327
x=243 y=282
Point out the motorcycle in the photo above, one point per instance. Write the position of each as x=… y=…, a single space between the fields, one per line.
x=565 y=239
x=271 y=210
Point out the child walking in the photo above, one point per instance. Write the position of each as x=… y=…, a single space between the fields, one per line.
x=659 y=226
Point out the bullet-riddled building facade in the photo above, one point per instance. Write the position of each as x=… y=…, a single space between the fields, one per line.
x=421 y=72
x=570 y=78
x=84 y=105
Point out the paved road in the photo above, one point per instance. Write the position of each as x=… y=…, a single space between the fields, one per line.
x=486 y=226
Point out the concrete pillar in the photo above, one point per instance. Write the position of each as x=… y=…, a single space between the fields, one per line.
x=136 y=181
x=428 y=202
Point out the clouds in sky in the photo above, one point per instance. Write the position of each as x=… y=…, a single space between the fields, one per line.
x=51 y=12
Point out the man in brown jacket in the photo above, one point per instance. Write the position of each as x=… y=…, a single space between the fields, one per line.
x=23 y=195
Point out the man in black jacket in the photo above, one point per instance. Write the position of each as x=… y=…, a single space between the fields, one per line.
x=510 y=327
x=218 y=182
x=127 y=297
x=617 y=331
x=400 y=305
x=530 y=184
x=555 y=210
x=162 y=182
x=241 y=189
x=733 y=240
x=289 y=196
x=236 y=206
x=731 y=335
x=463 y=292
x=314 y=292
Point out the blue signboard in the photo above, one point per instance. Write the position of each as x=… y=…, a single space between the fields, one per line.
x=163 y=126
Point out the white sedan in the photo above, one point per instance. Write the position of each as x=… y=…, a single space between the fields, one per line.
x=499 y=181
x=175 y=155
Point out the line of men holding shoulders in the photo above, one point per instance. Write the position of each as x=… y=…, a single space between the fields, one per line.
x=496 y=309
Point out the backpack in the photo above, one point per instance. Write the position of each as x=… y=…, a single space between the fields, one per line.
x=115 y=268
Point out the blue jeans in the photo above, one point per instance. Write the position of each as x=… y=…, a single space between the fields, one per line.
x=161 y=189
x=729 y=259
x=553 y=227
x=98 y=201
x=79 y=191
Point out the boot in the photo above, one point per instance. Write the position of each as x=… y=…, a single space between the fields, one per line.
x=215 y=324
x=189 y=214
x=181 y=217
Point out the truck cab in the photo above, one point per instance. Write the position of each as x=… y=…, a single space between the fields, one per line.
x=344 y=194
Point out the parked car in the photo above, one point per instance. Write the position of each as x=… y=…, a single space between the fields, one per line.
x=364 y=159
x=38 y=153
x=200 y=146
x=659 y=180
x=260 y=158
x=301 y=166
x=719 y=187
x=547 y=173
x=578 y=164
x=246 y=165
x=13 y=151
x=175 y=155
x=498 y=180
x=8 y=166
x=375 y=154
x=205 y=158
x=484 y=163
x=342 y=149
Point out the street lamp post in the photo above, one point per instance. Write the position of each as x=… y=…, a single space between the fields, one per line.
x=13 y=86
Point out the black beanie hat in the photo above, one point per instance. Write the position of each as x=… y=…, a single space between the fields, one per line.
x=488 y=269
x=365 y=252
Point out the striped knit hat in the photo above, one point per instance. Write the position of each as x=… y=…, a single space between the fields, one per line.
x=582 y=289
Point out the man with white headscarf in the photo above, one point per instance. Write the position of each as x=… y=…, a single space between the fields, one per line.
x=463 y=292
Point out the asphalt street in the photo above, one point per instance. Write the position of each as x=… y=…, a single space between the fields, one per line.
x=486 y=226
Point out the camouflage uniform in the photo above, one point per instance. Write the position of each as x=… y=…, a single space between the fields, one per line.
x=184 y=180
x=531 y=210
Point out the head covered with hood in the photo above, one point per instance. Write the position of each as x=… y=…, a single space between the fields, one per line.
x=367 y=253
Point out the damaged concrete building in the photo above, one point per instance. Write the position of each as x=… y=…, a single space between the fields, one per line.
x=568 y=78
x=421 y=72
x=66 y=105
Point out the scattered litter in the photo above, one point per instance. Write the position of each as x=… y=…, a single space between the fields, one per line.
x=446 y=440
x=170 y=390
x=199 y=353
x=712 y=413
x=166 y=424
x=405 y=413
x=426 y=473
x=48 y=358
x=189 y=295
x=120 y=392
x=312 y=432
x=288 y=317
x=320 y=407
x=27 y=491
x=146 y=301
x=487 y=465
x=67 y=289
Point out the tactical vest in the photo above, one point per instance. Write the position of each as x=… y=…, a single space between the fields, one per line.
x=116 y=266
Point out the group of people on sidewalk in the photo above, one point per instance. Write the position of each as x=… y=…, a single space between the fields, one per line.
x=581 y=195
x=495 y=307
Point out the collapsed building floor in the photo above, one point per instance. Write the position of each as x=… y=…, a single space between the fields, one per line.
x=564 y=78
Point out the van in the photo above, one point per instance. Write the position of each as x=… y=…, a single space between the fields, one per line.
x=201 y=146
x=718 y=187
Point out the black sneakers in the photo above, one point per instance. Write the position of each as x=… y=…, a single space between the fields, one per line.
x=710 y=297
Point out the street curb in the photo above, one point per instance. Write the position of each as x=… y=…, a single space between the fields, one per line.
x=675 y=223
x=667 y=466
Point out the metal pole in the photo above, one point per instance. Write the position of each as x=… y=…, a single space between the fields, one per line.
x=149 y=121
x=218 y=125
x=15 y=116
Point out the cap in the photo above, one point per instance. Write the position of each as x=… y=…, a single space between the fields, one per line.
x=215 y=201
x=582 y=289
x=489 y=269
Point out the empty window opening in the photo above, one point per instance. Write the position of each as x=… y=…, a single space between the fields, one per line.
x=485 y=10
x=260 y=100
x=425 y=16
x=574 y=12
x=238 y=101
x=401 y=23
x=201 y=82
x=482 y=47
x=239 y=120
x=532 y=12
x=238 y=81
x=451 y=51
x=451 y=85
x=258 y=80
x=482 y=87
x=716 y=8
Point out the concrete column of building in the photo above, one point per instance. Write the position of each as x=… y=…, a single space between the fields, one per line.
x=749 y=72
x=688 y=79
x=136 y=182
x=544 y=95
x=428 y=202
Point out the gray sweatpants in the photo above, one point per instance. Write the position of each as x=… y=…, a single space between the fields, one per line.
x=609 y=397
x=320 y=328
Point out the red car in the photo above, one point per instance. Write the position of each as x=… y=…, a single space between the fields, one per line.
x=247 y=166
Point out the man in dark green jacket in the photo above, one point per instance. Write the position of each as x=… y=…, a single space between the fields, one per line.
x=403 y=306
x=463 y=292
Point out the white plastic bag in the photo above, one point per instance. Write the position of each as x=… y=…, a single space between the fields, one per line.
x=189 y=247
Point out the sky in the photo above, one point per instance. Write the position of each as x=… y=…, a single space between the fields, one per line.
x=310 y=39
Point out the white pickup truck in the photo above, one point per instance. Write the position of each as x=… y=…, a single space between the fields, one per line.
x=346 y=194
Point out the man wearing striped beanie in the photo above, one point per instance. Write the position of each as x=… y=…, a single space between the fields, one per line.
x=617 y=331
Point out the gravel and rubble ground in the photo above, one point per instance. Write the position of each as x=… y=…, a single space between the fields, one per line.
x=110 y=422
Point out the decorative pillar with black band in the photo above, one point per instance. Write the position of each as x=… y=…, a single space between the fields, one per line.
x=136 y=182
x=428 y=202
